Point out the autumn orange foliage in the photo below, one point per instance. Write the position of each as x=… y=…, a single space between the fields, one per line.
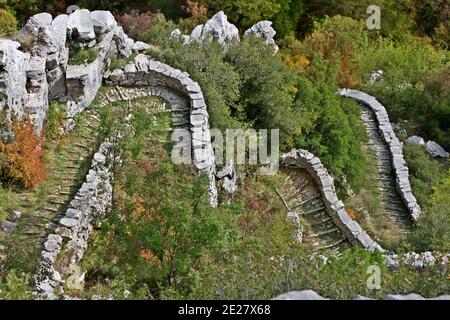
x=351 y=213
x=22 y=161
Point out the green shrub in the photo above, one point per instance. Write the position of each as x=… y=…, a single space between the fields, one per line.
x=8 y=23
x=425 y=173
x=79 y=56
x=55 y=118
x=16 y=286
x=433 y=228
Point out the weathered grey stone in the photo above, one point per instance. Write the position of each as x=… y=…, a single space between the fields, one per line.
x=80 y=27
x=415 y=140
x=217 y=28
x=68 y=222
x=140 y=47
x=263 y=29
x=435 y=150
x=8 y=227
x=103 y=21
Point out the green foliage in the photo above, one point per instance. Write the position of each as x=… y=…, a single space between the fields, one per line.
x=333 y=131
x=266 y=90
x=16 y=286
x=8 y=23
x=433 y=229
x=55 y=118
x=415 y=84
x=78 y=56
x=425 y=172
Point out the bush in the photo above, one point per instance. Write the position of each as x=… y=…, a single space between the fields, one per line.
x=425 y=172
x=8 y=23
x=55 y=119
x=135 y=23
x=433 y=227
x=22 y=160
x=16 y=286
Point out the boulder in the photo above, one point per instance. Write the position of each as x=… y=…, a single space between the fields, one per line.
x=415 y=140
x=103 y=21
x=8 y=227
x=80 y=27
x=217 y=28
x=435 y=150
x=263 y=29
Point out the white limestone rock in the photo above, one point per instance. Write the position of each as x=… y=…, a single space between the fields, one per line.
x=80 y=27
x=217 y=28
x=103 y=21
x=263 y=29
x=435 y=150
x=415 y=140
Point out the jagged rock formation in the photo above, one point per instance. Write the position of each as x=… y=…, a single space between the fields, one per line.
x=331 y=203
x=217 y=28
x=263 y=29
x=154 y=74
x=391 y=161
x=44 y=72
x=312 y=295
x=13 y=79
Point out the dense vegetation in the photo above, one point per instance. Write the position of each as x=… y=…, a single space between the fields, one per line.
x=162 y=240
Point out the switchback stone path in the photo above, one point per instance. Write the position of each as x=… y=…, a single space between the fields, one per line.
x=73 y=161
x=390 y=198
x=303 y=197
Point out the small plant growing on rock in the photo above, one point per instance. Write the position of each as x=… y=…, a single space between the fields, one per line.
x=79 y=56
x=26 y=41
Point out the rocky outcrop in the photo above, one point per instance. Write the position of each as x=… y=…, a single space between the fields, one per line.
x=84 y=81
x=334 y=206
x=312 y=295
x=151 y=73
x=263 y=29
x=217 y=28
x=395 y=147
x=415 y=140
x=13 y=79
x=31 y=79
x=69 y=241
x=435 y=150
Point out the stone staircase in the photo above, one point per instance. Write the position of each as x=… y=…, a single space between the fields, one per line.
x=391 y=200
x=301 y=195
x=40 y=214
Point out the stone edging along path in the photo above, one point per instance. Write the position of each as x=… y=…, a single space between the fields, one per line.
x=395 y=149
x=335 y=207
x=151 y=73
x=93 y=200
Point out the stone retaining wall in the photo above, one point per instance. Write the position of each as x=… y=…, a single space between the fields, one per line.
x=335 y=207
x=395 y=147
x=66 y=246
x=147 y=72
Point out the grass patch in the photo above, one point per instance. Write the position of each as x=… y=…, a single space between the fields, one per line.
x=79 y=56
